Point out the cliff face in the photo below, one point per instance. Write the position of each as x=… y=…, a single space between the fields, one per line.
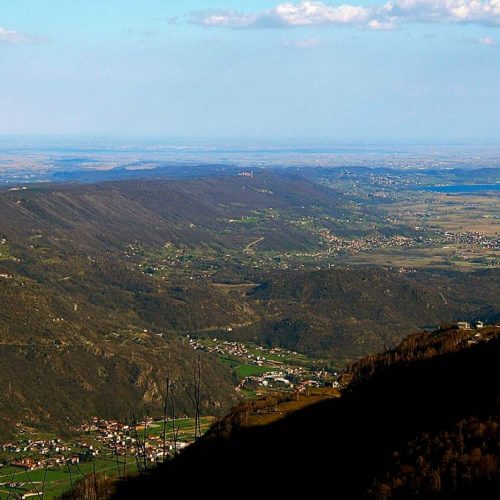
x=422 y=426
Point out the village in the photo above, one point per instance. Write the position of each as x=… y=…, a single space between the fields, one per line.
x=259 y=368
x=472 y=238
x=39 y=453
x=119 y=448
x=32 y=458
x=99 y=438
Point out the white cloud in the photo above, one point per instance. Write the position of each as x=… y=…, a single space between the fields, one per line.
x=487 y=40
x=224 y=18
x=9 y=36
x=15 y=38
x=307 y=43
x=448 y=11
x=377 y=25
x=377 y=16
x=317 y=13
x=306 y=13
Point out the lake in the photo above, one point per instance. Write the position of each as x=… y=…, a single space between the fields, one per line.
x=463 y=188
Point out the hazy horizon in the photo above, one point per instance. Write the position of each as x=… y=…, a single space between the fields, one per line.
x=244 y=142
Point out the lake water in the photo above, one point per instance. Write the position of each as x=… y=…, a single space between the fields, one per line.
x=463 y=188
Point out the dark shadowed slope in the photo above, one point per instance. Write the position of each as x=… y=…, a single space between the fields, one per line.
x=344 y=445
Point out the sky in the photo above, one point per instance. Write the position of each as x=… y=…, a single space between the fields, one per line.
x=229 y=71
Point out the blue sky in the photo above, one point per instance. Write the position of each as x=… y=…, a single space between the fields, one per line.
x=410 y=70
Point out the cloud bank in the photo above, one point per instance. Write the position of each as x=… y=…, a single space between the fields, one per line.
x=16 y=38
x=376 y=17
x=9 y=36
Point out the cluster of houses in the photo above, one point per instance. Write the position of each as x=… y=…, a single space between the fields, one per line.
x=239 y=350
x=368 y=243
x=42 y=453
x=465 y=325
x=280 y=375
x=292 y=378
x=125 y=440
x=98 y=436
x=473 y=238
x=222 y=347
x=476 y=332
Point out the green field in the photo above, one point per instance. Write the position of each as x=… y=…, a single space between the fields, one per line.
x=58 y=480
x=252 y=370
x=184 y=426
x=243 y=370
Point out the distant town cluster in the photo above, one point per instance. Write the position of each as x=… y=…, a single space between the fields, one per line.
x=269 y=368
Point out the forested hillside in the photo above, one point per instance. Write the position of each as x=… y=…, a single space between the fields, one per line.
x=93 y=277
x=349 y=313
